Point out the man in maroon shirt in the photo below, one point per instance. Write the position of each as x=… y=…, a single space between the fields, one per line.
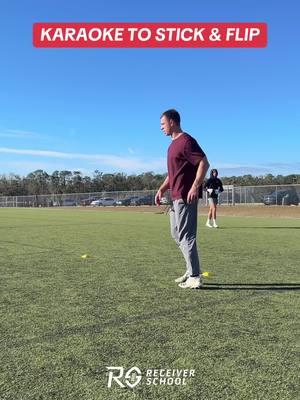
x=187 y=167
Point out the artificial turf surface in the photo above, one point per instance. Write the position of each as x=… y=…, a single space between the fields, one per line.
x=65 y=319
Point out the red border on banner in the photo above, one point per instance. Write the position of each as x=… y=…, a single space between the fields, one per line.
x=150 y=35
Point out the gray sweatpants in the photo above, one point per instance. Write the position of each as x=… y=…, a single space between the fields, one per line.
x=183 y=223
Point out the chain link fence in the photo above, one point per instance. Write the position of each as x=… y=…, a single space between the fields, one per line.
x=232 y=195
x=281 y=195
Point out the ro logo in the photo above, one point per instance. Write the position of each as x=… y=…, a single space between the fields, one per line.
x=131 y=378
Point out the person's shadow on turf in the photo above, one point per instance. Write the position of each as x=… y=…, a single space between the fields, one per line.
x=251 y=286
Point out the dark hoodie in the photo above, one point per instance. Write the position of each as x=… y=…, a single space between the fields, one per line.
x=214 y=183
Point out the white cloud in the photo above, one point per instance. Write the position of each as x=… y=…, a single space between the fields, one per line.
x=97 y=160
x=23 y=167
x=130 y=150
x=129 y=164
x=228 y=169
x=19 y=134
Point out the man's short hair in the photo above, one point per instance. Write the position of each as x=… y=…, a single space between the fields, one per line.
x=172 y=114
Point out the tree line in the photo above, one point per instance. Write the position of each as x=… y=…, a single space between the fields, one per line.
x=40 y=182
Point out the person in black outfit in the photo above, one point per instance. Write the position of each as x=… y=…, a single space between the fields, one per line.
x=213 y=186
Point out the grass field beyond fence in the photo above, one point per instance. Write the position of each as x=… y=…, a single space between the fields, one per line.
x=65 y=319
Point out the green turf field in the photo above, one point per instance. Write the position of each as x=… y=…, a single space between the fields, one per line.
x=65 y=319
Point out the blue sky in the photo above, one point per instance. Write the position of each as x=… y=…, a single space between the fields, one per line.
x=88 y=109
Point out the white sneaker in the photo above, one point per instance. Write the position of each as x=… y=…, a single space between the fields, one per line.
x=215 y=225
x=182 y=278
x=208 y=225
x=191 y=283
